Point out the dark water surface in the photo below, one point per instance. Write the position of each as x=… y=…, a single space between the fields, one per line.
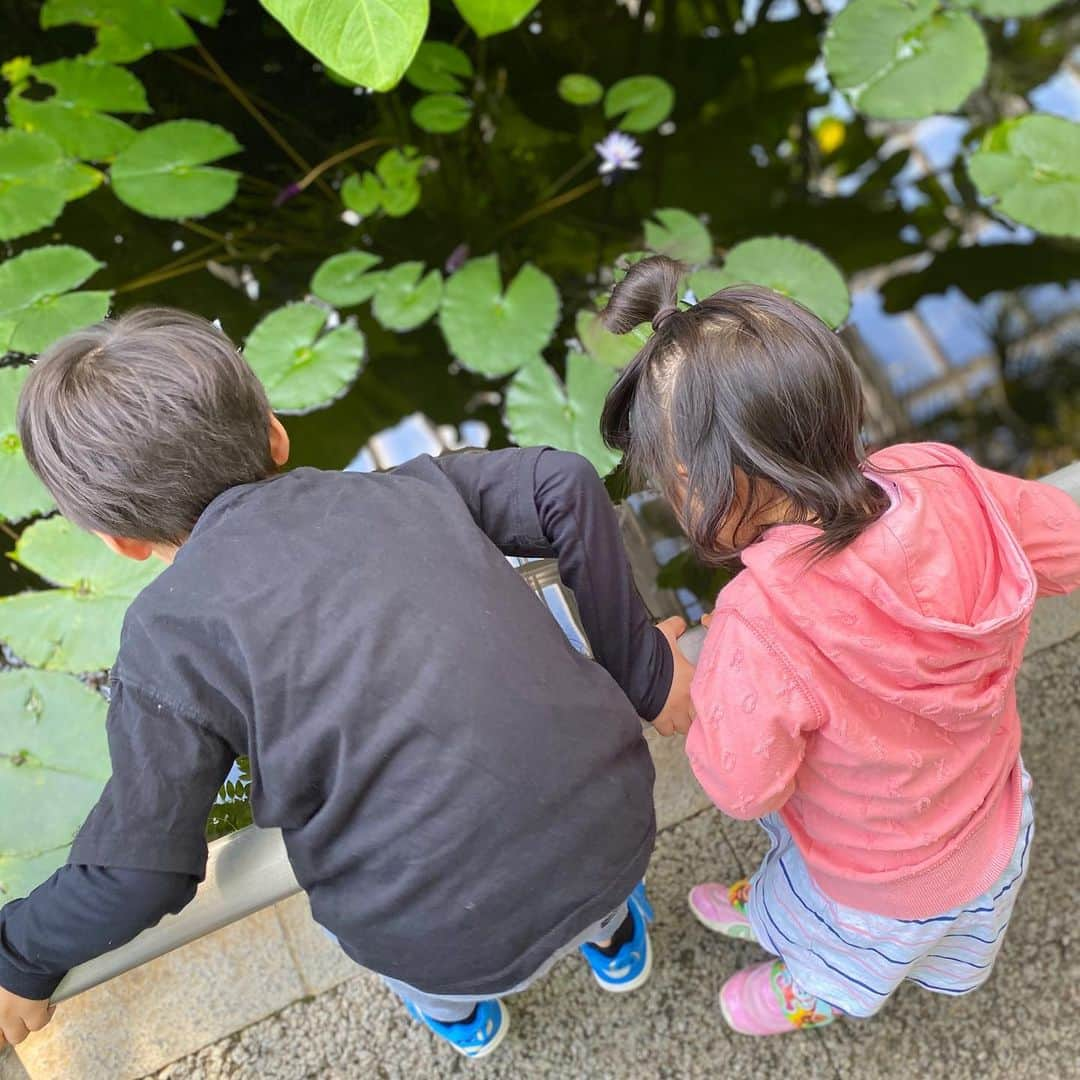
x=975 y=339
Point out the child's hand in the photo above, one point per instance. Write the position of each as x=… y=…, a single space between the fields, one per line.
x=678 y=713
x=19 y=1016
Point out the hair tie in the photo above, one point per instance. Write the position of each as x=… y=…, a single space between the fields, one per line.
x=662 y=316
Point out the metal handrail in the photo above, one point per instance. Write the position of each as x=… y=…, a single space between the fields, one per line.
x=250 y=869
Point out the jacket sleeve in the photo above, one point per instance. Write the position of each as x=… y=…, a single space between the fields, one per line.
x=753 y=714
x=77 y=914
x=139 y=854
x=550 y=503
x=1046 y=522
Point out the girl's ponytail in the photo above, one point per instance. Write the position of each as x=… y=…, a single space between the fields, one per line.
x=650 y=287
x=648 y=294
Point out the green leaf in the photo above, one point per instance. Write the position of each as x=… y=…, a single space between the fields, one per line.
x=489 y=17
x=37 y=306
x=371 y=42
x=75 y=627
x=442 y=114
x=54 y=762
x=786 y=266
x=540 y=411
x=393 y=186
x=1010 y=9
x=404 y=300
x=344 y=280
x=439 y=68
x=615 y=350
x=1031 y=166
x=643 y=101
x=903 y=59
x=84 y=90
x=129 y=29
x=491 y=332
x=362 y=193
x=300 y=369
x=22 y=494
x=580 y=89
x=36 y=180
x=164 y=173
x=679 y=235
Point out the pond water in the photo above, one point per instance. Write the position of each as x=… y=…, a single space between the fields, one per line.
x=967 y=329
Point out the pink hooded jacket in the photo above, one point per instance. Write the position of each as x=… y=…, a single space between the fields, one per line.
x=870 y=698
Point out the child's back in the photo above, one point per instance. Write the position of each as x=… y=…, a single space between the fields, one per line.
x=417 y=723
x=894 y=729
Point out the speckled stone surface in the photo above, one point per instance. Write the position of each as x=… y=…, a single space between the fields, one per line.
x=1024 y=1025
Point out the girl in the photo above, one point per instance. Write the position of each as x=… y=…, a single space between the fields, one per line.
x=856 y=689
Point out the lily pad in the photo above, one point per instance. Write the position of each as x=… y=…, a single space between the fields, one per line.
x=22 y=494
x=643 y=101
x=442 y=114
x=164 y=173
x=541 y=411
x=406 y=298
x=679 y=235
x=903 y=59
x=345 y=280
x=580 y=89
x=439 y=68
x=129 y=29
x=75 y=627
x=370 y=42
x=393 y=186
x=615 y=350
x=489 y=17
x=37 y=306
x=1031 y=166
x=83 y=92
x=301 y=368
x=54 y=763
x=493 y=332
x=786 y=266
x=36 y=180
x=1011 y=9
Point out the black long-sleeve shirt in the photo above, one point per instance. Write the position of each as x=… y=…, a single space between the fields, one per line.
x=459 y=791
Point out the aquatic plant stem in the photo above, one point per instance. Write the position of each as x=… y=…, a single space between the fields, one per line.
x=566 y=177
x=337 y=159
x=12 y=534
x=249 y=106
x=549 y=205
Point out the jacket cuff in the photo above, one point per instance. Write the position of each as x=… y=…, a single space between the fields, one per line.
x=663 y=672
x=25 y=985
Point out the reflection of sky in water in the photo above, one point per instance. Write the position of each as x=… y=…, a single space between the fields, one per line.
x=1059 y=95
x=955 y=323
x=899 y=348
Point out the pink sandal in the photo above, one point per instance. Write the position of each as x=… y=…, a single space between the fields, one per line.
x=764 y=1000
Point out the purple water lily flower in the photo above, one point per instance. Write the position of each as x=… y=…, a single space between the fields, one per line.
x=618 y=152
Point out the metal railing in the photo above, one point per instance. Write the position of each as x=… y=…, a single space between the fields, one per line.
x=250 y=870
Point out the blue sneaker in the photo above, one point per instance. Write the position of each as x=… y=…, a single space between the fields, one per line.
x=631 y=966
x=475 y=1038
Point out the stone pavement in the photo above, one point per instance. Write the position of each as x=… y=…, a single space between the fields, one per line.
x=1025 y=1023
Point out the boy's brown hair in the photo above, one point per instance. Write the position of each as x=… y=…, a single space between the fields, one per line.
x=136 y=424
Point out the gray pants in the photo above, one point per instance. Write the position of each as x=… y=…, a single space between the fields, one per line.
x=450 y=1008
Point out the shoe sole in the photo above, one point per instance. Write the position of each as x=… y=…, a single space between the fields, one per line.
x=718 y=927
x=639 y=980
x=504 y=1027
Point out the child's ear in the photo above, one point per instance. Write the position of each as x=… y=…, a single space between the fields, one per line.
x=279 y=442
x=130 y=549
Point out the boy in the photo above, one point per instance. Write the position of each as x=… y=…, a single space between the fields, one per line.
x=463 y=797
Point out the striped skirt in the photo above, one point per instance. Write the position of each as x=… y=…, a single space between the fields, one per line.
x=854 y=959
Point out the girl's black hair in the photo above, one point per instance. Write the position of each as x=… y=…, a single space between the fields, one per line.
x=745 y=381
